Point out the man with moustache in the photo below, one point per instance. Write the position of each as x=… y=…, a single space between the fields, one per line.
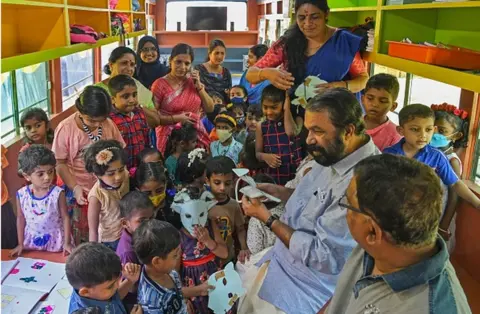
x=299 y=274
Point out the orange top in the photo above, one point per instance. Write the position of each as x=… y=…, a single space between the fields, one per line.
x=213 y=135
x=4 y=165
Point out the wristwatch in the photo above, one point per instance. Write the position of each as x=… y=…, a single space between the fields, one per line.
x=270 y=221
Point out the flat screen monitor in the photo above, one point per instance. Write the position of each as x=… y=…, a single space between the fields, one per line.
x=206 y=18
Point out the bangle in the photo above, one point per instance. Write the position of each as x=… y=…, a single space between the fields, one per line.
x=260 y=74
x=346 y=85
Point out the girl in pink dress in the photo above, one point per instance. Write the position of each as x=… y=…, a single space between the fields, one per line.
x=181 y=97
x=42 y=219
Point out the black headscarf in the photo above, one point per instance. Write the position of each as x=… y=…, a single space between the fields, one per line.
x=147 y=73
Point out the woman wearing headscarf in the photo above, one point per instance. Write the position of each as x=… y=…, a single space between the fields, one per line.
x=149 y=67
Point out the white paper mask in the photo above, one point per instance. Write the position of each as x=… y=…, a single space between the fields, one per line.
x=193 y=211
x=228 y=289
x=306 y=90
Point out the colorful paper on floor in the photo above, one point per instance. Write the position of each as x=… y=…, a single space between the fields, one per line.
x=57 y=301
x=18 y=300
x=7 y=267
x=228 y=289
x=35 y=274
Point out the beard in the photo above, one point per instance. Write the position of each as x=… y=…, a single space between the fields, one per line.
x=333 y=153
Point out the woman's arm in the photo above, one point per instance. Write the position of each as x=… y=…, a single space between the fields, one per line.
x=69 y=179
x=207 y=101
x=94 y=207
x=272 y=59
x=67 y=241
x=359 y=74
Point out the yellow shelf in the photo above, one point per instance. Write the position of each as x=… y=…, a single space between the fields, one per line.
x=444 y=5
x=77 y=7
x=138 y=12
x=354 y=9
x=34 y=3
x=448 y=76
x=120 y=11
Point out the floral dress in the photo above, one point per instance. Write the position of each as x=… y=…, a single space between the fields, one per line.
x=198 y=263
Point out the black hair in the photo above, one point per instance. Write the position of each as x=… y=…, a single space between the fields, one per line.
x=117 y=83
x=116 y=54
x=403 y=195
x=94 y=102
x=146 y=152
x=181 y=49
x=273 y=94
x=188 y=171
x=259 y=50
x=186 y=132
x=155 y=238
x=93 y=150
x=229 y=113
x=247 y=155
x=255 y=111
x=219 y=165
x=244 y=90
x=40 y=115
x=459 y=124
x=149 y=171
x=342 y=106
x=413 y=111
x=34 y=156
x=132 y=202
x=217 y=94
x=214 y=44
x=294 y=43
x=384 y=81
x=92 y=264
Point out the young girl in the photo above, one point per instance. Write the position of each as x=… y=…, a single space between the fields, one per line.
x=72 y=135
x=277 y=141
x=149 y=154
x=183 y=139
x=201 y=241
x=151 y=180
x=36 y=125
x=225 y=125
x=42 y=220
x=238 y=95
x=238 y=112
x=191 y=168
x=106 y=159
x=452 y=125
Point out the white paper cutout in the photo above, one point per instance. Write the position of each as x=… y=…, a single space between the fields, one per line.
x=228 y=289
x=306 y=90
x=193 y=211
x=58 y=299
x=18 y=300
x=251 y=189
x=7 y=267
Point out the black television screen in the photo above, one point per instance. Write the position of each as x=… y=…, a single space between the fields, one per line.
x=206 y=18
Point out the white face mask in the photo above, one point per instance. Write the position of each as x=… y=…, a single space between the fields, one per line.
x=223 y=135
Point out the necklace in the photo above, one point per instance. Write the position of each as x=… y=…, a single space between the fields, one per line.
x=92 y=137
x=223 y=152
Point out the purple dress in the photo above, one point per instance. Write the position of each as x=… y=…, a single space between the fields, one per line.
x=198 y=263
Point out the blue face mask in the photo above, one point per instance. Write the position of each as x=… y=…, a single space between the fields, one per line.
x=237 y=100
x=440 y=140
x=241 y=120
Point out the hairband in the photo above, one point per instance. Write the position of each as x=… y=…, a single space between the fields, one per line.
x=197 y=152
x=462 y=114
x=224 y=116
x=104 y=156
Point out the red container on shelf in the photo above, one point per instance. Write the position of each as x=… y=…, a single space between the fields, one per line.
x=452 y=57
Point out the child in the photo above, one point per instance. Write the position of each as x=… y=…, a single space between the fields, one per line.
x=277 y=141
x=152 y=181
x=94 y=271
x=226 y=145
x=238 y=95
x=238 y=112
x=209 y=118
x=254 y=118
x=149 y=154
x=417 y=124
x=380 y=98
x=183 y=139
x=106 y=160
x=128 y=116
x=226 y=213
x=191 y=168
x=201 y=242
x=247 y=156
x=36 y=125
x=452 y=127
x=42 y=220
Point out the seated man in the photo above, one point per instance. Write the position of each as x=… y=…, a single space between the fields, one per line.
x=299 y=274
x=401 y=265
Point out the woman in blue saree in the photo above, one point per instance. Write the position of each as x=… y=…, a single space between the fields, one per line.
x=254 y=91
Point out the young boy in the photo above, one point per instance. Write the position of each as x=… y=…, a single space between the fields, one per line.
x=254 y=118
x=380 y=98
x=95 y=271
x=417 y=125
x=225 y=125
x=226 y=213
x=277 y=142
x=128 y=116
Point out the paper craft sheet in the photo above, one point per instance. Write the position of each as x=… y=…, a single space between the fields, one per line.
x=7 y=267
x=57 y=301
x=35 y=274
x=18 y=300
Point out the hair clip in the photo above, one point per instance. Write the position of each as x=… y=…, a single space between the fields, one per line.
x=197 y=152
x=104 y=156
x=462 y=114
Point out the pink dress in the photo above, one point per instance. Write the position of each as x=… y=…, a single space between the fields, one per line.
x=185 y=99
x=43 y=222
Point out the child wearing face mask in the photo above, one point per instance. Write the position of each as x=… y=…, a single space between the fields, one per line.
x=106 y=159
x=238 y=112
x=225 y=125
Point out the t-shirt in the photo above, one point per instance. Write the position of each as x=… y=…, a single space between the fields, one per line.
x=171 y=165
x=385 y=135
x=113 y=305
x=231 y=151
x=125 y=249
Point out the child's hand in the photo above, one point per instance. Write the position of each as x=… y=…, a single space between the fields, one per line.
x=243 y=256
x=272 y=160
x=137 y=309
x=67 y=249
x=204 y=288
x=17 y=251
x=131 y=272
x=286 y=104
x=201 y=234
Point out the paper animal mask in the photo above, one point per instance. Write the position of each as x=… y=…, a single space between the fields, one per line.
x=228 y=289
x=306 y=90
x=193 y=211
x=251 y=189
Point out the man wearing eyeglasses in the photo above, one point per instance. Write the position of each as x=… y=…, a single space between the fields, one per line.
x=299 y=274
x=401 y=265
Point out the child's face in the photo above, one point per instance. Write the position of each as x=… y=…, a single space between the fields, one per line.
x=272 y=110
x=154 y=189
x=92 y=122
x=35 y=130
x=237 y=92
x=418 y=132
x=221 y=185
x=167 y=264
x=153 y=158
x=101 y=292
x=447 y=129
x=239 y=115
x=223 y=126
x=126 y=100
x=378 y=102
x=188 y=146
x=138 y=216
x=218 y=101
x=252 y=122
x=115 y=174
x=42 y=176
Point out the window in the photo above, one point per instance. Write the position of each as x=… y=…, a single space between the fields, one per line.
x=106 y=51
x=77 y=72
x=23 y=89
x=428 y=92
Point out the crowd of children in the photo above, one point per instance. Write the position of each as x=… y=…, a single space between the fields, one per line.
x=118 y=194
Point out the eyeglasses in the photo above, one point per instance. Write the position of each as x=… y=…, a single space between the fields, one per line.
x=344 y=203
x=148 y=49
